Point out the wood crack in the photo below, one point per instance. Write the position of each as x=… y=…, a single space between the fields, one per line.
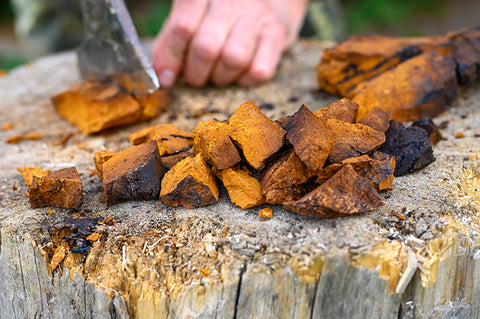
x=239 y=287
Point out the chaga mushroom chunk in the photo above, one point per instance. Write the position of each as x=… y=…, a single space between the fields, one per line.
x=351 y=140
x=133 y=174
x=29 y=172
x=380 y=171
x=342 y=110
x=170 y=138
x=170 y=161
x=100 y=158
x=62 y=188
x=345 y=193
x=243 y=188
x=310 y=139
x=421 y=86
x=410 y=146
x=376 y=118
x=258 y=136
x=94 y=106
x=285 y=179
x=154 y=103
x=359 y=164
x=432 y=130
x=212 y=141
x=189 y=183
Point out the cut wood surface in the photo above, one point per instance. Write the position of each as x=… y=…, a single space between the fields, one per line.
x=414 y=256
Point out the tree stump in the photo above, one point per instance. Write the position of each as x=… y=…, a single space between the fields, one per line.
x=415 y=257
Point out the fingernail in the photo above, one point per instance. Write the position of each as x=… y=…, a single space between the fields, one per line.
x=166 y=78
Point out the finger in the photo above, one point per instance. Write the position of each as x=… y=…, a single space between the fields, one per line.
x=238 y=51
x=269 y=51
x=171 y=44
x=209 y=40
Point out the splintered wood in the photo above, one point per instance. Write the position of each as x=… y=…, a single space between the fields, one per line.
x=94 y=106
x=408 y=78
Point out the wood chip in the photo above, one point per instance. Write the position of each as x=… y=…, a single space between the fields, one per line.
x=257 y=136
x=189 y=183
x=169 y=137
x=345 y=193
x=243 y=188
x=94 y=236
x=212 y=141
x=15 y=139
x=133 y=174
x=61 y=188
x=58 y=256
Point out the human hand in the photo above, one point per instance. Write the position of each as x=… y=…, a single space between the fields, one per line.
x=225 y=41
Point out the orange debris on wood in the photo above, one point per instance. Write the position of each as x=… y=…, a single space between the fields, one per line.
x=61 y=188
x=345 y=193
x=210 y=138
x=15 y=139
x=205 y=272
x=266 y=212
x=189 y=183
x=64 y=139
x=310 y=138
x=169 y=137
x=285 y=179
x=258 y=136
x=29 y=172
x=58 y=256
x=133 y=174
x=94 y=236
x=351 y=140
x=93 y=106
x=7 y=127
x=243 y=188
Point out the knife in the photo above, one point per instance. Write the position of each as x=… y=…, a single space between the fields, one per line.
x=111 y=47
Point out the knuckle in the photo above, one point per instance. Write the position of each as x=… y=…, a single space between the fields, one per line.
x=184 y=28
x=235 y=58
x=205 y=48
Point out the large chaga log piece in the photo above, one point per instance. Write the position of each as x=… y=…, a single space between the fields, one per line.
x=432 y=130
x=100 y=158
x=362 y=57
x=210 y=138
x=345 y=193
x=154 y=103
x=94 y=106
x=258 y=136
x=189 y=183
x=285 y=179
x=62 y=188
x=310 y=138
x=133 y=174
x=351 y=140
x=29 y=172
x=344 y=110
x=421 y=86
x=466 y=53
x=410 y=146
x=376 y=118
x=170 y=138
x=243 y=188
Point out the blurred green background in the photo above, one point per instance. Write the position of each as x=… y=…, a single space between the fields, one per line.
x=395 y=17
